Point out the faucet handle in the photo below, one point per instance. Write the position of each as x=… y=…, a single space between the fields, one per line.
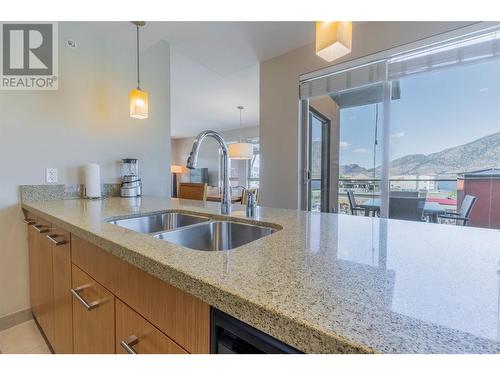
x=251 y=196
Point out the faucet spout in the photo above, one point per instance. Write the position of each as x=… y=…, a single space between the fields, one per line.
x=192 y=161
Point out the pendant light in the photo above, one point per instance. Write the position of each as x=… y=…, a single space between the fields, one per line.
x=138 y=98
x=241 y=150
x=333 y=39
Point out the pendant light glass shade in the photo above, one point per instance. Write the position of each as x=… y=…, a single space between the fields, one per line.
x=138 y=104
x=240 y=151
x=333 y=39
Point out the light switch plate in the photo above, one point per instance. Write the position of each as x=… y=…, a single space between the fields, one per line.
x=51 y=175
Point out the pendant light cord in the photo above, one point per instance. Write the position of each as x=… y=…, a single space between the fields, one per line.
x=241 y=138
x=241 y=131
x=138 y=79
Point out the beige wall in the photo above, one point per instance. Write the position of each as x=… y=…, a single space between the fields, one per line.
x=279 y=103
x=208 y=157
x=86 y=120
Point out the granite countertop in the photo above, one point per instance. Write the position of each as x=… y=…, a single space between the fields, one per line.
x=324 y=283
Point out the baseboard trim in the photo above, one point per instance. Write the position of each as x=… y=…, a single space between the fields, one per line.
x=16 y=318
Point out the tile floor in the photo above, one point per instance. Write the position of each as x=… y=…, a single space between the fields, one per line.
x=25 y=338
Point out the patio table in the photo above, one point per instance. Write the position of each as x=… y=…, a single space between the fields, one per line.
x=431 y=209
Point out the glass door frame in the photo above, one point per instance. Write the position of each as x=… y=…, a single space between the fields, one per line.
x=325 y=159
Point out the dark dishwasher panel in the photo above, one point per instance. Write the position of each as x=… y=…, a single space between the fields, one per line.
x=232 y=336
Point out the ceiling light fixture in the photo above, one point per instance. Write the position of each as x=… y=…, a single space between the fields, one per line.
x=241 y=150
x=139 y=100
x=333 y=39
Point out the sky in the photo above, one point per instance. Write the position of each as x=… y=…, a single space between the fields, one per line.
x=437 y=110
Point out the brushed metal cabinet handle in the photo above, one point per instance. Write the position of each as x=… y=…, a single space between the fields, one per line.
x=29 y=221
x=88 y=305
x=41 y=228
x=128 y=344
x=53 y=238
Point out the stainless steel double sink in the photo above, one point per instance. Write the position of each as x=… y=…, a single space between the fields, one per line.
x=194 y=231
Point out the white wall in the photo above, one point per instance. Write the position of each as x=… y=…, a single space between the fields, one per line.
x=279 y=100
x=86 y=120
x=208 y=157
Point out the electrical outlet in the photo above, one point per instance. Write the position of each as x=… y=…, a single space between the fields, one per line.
x=51 y=175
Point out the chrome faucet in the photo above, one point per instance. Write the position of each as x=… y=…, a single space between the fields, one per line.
x=225 y=207
x=251 y=206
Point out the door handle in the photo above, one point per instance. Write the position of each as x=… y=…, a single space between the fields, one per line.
x=29 y=221
x=53 y=238
x=128 y=344
x=88 y=305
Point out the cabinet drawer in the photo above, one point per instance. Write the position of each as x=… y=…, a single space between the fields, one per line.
x=93 y=315
x=181 y=316
x=136 y=334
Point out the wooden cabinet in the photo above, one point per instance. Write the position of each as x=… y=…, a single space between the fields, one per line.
x=134 y=334
x=63 y=306
x=88 y=301
x=46 y=281
x=93 y=315
x=49 y=251
x=181 y=316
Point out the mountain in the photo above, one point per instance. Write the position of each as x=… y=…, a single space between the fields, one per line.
x=354 y=170
x=479 y=154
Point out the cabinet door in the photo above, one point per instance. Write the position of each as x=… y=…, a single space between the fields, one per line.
x=46 y=283
x=63 y=305
x=180 y=315
x=93 y=315
x=33 y=267
x=134 y=334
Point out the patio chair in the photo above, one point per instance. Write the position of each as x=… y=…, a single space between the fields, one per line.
x=406 y=208
x=461 y=216
x=353 y=206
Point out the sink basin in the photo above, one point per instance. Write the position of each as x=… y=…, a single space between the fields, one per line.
x=158 y=222
x=216 y=235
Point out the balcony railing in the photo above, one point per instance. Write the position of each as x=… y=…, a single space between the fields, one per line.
x=442 y=191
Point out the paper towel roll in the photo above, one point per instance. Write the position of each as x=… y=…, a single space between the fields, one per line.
x=92 y=181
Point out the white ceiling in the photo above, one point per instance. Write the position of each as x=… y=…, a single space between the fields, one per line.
x=215 y=67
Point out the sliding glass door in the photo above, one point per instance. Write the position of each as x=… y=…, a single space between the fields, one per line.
x=415 y=136
x=359 y=154
x=349 y=152
x=445 y=142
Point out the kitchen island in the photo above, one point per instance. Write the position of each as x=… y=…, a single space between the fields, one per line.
x=322 y=283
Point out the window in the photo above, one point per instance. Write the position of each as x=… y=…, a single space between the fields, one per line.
x=418 y=134
x=253 y=171
x=234 y=170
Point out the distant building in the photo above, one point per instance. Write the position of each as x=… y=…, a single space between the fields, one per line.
x=413 y=182
x=485 y=186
